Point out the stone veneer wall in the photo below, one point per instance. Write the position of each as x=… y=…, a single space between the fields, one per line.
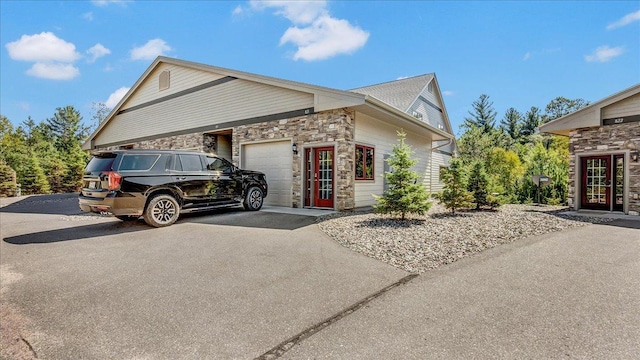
x=195 y=141
x=605 y=140
x=324 y=128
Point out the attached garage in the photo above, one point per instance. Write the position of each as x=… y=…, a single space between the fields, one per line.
x=254 y=121
x=275 y=160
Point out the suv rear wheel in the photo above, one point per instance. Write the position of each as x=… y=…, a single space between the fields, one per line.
x=253 y=199
x=162 y=210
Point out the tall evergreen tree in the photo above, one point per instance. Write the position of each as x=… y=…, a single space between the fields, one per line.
x=68 y=133
x=66 y=127
x=531 y=123
x=511 y=123
x=482 y=116
x=406 y=195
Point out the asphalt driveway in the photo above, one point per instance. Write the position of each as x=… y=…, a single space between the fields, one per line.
x=228 y=284
x=233 y=284
x=572 y=294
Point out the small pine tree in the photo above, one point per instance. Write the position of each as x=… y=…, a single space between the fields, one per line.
x=34 y=181
x=7 y=180
x=405 y=194
x=477 y=185
x=455 y=194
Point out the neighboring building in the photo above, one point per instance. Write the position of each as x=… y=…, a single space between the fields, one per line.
x=604 y=145
x=319 y=147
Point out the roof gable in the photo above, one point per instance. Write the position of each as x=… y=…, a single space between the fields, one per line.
x=400 y=94
x=589 y=116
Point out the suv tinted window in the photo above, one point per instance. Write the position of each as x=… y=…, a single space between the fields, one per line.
x=98 y=164
x=217 y=164
x=138 y=162
x=189 y=163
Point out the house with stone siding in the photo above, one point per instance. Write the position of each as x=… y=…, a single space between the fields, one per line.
x=604 y=151
x=319 y=147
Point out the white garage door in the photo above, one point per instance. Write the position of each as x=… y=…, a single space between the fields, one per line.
x=274 y=159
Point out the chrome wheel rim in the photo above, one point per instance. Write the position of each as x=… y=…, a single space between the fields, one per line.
x=255 y=199
x=164 y=211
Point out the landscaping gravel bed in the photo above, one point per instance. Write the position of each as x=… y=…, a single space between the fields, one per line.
x=422 y=243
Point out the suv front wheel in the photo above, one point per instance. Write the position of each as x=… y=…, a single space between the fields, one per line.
x=253 y=199
x=162 y=210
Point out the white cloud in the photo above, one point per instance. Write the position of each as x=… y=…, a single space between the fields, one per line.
x=315 y=33
x=108 y=68
x=448 y=93
x=298 y=12
x=625 y=20
x=53 y=57
x=325 y=38
x=43 y=47
x=97 y=51
x=54 y=71
x=88 y=16
x=402 y=77
x=150 y=50
x=604 y=54
x=238 y=10
x=526 y=56
x=24 y=105
x=115 y=97
x=103 y=3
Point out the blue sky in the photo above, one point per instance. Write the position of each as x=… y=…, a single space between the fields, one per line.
x=522 y=54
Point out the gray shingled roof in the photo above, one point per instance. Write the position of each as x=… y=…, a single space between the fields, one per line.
x=399 y=93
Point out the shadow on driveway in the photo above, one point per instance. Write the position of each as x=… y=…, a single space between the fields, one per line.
x=56 y=204
x=252 y=219
x=77 y=233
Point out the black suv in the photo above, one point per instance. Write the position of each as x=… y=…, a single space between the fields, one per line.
x=160 y=184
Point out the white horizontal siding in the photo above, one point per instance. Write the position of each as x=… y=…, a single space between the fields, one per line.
x=380 y=135
x=438 y=160
x=627 y=107
x=431 y=115
x=180 y=79
x=231 y=101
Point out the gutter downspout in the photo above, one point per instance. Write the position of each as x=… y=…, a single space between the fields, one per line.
x=449 y=142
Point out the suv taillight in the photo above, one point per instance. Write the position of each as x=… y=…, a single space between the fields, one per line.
x=114 y=180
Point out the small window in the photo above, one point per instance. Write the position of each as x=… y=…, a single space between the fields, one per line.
x=138 y=162
x=364 y=162
x=430 y=87
x=164 y=80
x=189 y=163
x=417 y=115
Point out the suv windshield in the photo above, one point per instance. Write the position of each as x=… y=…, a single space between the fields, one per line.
x=100 y=164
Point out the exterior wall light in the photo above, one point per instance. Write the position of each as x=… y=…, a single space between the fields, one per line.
x=294 y=147
x=633 y=146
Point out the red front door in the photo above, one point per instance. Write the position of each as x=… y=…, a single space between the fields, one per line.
x=319 y=184
x=596 y=182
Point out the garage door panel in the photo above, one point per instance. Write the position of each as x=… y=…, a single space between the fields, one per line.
x=275 y=160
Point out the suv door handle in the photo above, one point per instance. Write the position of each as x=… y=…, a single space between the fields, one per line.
x=181 y=178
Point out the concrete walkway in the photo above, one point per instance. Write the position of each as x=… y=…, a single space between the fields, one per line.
x=571 y=294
